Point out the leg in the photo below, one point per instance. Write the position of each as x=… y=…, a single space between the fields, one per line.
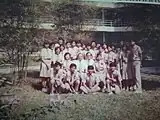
x=76 y=85
x=117 y=89
x=108 y=86
x=138 y=76
x=95 y=89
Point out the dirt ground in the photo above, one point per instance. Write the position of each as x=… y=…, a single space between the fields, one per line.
x=32 y=104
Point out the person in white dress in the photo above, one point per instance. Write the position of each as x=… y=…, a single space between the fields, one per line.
x=74 y=51
x=45 y=67
x=100 y=69
x=68 y=48
x=81 y=64
x=62 y=48
x=58 y=56
x=89 y=60
x=67 y=62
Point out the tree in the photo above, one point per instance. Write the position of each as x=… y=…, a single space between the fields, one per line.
x=146 y=20
x=69 y=16
x=17 y=32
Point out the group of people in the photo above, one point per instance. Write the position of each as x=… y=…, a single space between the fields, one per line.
x=73 y=67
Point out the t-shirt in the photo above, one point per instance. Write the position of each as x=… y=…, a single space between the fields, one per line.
x=46 y=53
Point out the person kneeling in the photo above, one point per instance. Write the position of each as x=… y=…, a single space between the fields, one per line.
x=90 y=82
x=113 y=80
x=57 y=79
x=73 y=79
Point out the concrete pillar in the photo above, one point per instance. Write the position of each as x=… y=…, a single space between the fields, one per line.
x=103 y=19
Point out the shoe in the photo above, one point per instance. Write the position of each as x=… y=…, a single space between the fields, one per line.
x=110 y=93
x=138 y=91
x=44 y=90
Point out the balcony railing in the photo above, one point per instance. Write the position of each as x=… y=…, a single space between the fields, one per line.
x=95 y=22
x=124 y=1
x=107 y=23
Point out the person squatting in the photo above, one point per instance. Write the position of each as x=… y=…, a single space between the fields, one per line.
x=73 y=67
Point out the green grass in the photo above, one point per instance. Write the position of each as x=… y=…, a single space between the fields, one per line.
x=126 y=106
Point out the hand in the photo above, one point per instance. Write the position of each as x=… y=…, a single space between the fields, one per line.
x=47 y=67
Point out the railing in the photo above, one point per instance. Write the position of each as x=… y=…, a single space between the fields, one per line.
x=118 y=1
x=124 y=1
x=108 y=23
x=96 y=22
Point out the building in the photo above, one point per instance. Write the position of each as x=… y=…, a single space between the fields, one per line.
x=105 y=28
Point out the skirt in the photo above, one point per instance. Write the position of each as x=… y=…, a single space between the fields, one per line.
x=44 y=71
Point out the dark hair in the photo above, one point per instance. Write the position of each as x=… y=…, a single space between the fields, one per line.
x=45 y=42
x=57 y=48
x=68 y=42
x=67 y=54
x=73 y=65
x=52 y=43
x=90 y=67
x=98 y=54
x=57 y=64
x=60 y=38
x=113 y=64
x=88 y=53
x=93 y=41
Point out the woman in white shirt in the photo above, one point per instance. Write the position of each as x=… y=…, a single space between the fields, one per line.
x=89 y=60
x=67 y=61
x=45 y=67
x=58 y=57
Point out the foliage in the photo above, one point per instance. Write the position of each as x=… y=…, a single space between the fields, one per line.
x=17 y=32
x=146 y=20
x=69 y=16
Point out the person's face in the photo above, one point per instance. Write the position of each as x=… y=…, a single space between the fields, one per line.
x=106 y=50
x=79 y=44
x=46 y=45
x=104 y=46
x=73 y=69
x=98 y=45
x=62 y=48
x=80 y=56
x=132 y=43
x=60 y=42
x=67 y=57
x=93 y=44
x=88 y=47
x=109 y=49
x=68 y=45
x=112 y=69
x=57 y=67
x=73 y=44
x=89 y=56
x=100 y=49
x=90 y=71
x=83 y=46
x=99 y=57
x=52 y=45
x=58 y=51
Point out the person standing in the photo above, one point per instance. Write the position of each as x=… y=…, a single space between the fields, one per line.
x=45 y=67
x=135 y=58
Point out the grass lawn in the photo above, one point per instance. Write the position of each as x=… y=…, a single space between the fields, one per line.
x=100 y=106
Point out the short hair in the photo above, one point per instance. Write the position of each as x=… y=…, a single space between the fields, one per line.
x=90 y=67
x=88 y=53
x=57 y=64
x=57 y=48
x=112 y=64
x=60 y=38
x=73 y=65
x=67 y=53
